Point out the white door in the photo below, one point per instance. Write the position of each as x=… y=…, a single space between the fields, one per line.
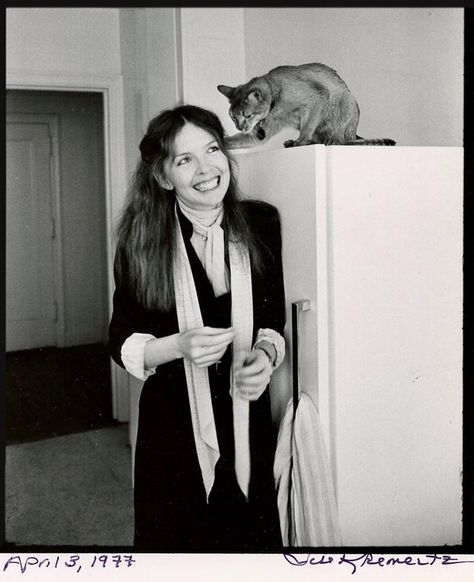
x=30 y=300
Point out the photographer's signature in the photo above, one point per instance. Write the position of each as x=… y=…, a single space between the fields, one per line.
x=355 y=562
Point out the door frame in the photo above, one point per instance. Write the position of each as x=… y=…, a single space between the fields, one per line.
x=111 y=88
x=51 y=121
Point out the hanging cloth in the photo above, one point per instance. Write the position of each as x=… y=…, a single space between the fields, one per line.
x=306 y=499
x=197 y=379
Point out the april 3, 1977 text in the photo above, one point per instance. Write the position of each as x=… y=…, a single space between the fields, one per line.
x=24 y=563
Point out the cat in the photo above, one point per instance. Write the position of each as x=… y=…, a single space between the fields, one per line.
x=311 y=98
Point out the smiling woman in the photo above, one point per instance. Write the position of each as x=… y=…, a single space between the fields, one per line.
x=198 y=314
x=198 y=170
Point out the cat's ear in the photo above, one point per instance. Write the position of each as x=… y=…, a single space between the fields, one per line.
x=226 y=90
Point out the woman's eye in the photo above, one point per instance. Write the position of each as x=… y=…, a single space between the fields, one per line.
x=214 y=148
x=183 y=161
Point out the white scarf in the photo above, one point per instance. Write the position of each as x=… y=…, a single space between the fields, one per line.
x=197 y=379
x=208 y=242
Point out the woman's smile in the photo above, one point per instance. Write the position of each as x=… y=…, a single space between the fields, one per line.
x=208 y=184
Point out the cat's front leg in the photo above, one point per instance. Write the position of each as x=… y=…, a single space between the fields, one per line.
x=308 y=125
x=242 y=140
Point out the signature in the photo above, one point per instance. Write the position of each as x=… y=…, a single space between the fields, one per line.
x=359 y=561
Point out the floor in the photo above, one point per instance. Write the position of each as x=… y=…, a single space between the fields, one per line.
x=68 y=476
x=73 y=490
x=57 y=391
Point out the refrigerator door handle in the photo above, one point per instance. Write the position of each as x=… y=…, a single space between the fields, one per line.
x=296 y=308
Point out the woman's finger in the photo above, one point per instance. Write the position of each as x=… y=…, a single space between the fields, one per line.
x=214 y=350
x=254 y=364
x=214 y=340
x=254 y=381
x=252 y=370
x=253 y=397
x=209 y=358
x=248 y=393
x=207 y=330
x=254 y=385
x=202 y=351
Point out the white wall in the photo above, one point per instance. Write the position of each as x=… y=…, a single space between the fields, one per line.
x=213 y=48
x=151 y=68
x=404 y=65
x=63 y=40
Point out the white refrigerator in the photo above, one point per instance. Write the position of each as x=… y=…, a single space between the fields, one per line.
x=372 y=244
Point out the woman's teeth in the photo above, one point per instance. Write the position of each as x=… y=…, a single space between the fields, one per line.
x=209 y=185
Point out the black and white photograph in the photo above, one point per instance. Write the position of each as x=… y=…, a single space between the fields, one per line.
x=234 y=285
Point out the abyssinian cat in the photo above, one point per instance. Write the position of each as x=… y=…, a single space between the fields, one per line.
x=311 y=98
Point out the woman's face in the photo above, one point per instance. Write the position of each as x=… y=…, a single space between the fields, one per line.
x=197 y=169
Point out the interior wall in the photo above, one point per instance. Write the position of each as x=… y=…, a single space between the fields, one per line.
x=212 y=56
x=150 y=60
x=150 y=56
x=63 y=40
x=404 y=65
x=82 y=199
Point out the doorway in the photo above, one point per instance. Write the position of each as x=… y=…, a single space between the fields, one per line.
x=56 y=255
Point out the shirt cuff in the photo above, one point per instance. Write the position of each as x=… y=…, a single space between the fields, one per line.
x=278 y=342
x=133 y=355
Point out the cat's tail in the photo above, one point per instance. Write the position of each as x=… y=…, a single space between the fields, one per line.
x=382 y=141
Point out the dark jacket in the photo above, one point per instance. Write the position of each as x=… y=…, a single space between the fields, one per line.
x=171 y=513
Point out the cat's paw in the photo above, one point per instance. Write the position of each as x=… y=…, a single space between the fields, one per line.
x=289 y=143
x=260 y=134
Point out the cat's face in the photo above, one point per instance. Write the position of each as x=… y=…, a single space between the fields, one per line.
x=249 y=105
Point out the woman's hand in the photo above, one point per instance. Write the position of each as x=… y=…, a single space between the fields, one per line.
x=204 y=346
x=252 y=372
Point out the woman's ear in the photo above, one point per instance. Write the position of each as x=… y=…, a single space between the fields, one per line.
x=163 y=181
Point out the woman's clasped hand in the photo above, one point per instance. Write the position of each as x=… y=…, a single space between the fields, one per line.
x=204 y=346
x=252 y=372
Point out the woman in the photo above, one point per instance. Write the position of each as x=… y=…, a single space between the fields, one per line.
x=199 y=313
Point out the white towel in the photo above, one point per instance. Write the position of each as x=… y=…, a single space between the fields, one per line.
x=306 y=500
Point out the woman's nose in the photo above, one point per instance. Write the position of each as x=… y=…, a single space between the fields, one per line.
x=203 y=166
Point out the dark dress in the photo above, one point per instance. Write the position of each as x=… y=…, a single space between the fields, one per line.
x=171 y=512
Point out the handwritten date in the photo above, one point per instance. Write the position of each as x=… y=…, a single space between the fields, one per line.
x=74 y=562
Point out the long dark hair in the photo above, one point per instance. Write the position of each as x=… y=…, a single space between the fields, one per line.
x=146 y=231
